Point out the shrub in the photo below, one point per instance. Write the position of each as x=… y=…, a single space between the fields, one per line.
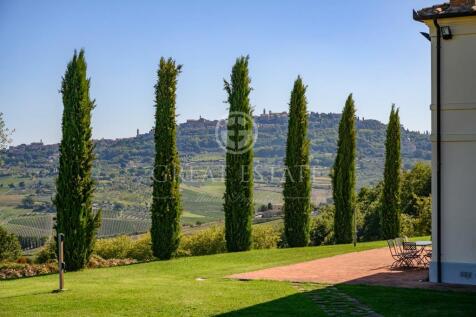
x=407 y=225
x=423 y=221
x=47 y=252
x=371 y=224
x=266 y=236
x=98 y=262
x=10 y=248
x=124 y=247
x=18 y=270
x=415 y=183
x=322 y=226
x=141 y=249
x=204 y=242
x=24 y=260
x=114 y=248
x=27 y=202
x=212 y=240
x=368 y=215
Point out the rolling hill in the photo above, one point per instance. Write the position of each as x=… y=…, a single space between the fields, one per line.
x=123 y=172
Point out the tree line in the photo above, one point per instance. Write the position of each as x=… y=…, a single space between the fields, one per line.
x=75 y=185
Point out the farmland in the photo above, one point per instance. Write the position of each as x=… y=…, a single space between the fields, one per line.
x=123 y=171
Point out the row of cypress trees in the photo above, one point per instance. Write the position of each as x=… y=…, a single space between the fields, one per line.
x=343 y=178
x=75 y=186
x=239 y=204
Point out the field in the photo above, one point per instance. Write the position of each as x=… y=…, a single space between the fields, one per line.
x=197 y=286
x=125 y=204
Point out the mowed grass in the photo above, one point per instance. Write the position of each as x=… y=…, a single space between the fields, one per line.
x=173 y=288
x=413 y=302
x=168 y=288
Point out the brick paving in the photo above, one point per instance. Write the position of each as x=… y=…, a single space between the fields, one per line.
x=365 y=267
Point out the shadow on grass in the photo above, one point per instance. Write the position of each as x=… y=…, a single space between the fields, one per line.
x=398 y=301
x=26 y=294
x=415 y=278
x=412 y=278
x=298 y=304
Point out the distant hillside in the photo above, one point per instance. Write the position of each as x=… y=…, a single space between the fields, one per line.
x=123 y=171
x=196 y=140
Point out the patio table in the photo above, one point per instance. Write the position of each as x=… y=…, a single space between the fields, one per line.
x=423 y=243
x=424 y=251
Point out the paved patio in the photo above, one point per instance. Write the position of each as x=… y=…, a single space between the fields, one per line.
x=366 y=267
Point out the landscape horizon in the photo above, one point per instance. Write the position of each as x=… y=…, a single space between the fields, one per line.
x=123 y=173
x=252 y=158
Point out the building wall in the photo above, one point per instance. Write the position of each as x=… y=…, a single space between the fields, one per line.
x=458 y=133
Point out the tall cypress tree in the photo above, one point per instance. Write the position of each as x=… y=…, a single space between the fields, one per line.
x=343 y=175
x=74 y=185
x=390 y=209
x=297 y=187
x=238 y=205
x=166 y=207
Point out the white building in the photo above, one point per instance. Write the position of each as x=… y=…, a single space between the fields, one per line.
x=453 y=112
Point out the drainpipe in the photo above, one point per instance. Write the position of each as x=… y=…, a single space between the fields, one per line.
x=438 y=148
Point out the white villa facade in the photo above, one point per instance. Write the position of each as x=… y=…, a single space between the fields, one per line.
x=453 y=111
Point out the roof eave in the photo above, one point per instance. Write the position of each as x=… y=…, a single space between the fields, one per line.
x=421 y=18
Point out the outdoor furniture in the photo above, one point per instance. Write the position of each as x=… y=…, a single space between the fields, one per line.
x=405 y=254
x=401 y=257
x=423 y=243
x=412 y=253
x=425 y=256
x=420 y=250
x=395 y=254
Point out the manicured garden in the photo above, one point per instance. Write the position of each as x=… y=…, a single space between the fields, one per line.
x=198 y=286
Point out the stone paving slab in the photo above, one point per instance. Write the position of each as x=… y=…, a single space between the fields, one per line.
x=334 y=302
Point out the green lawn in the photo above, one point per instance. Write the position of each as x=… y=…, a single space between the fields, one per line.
x=413 y=302
x=171 y=289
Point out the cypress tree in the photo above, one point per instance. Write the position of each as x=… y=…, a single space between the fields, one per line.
x=390 y=209
x=343 y=175
x=74 y=185
x=238 y=205
x=297 y=187
x=166 y=207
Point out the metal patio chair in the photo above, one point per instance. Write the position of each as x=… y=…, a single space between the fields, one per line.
x=411 y=254
x=403 y=255
x=396 y=254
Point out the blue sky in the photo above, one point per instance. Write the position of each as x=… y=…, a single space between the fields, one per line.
x=369 y=47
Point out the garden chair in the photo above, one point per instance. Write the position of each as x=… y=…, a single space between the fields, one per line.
x=396 y=254
x=426 y=258
x=411 y=254
x=399 y=243
x=402 y=257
